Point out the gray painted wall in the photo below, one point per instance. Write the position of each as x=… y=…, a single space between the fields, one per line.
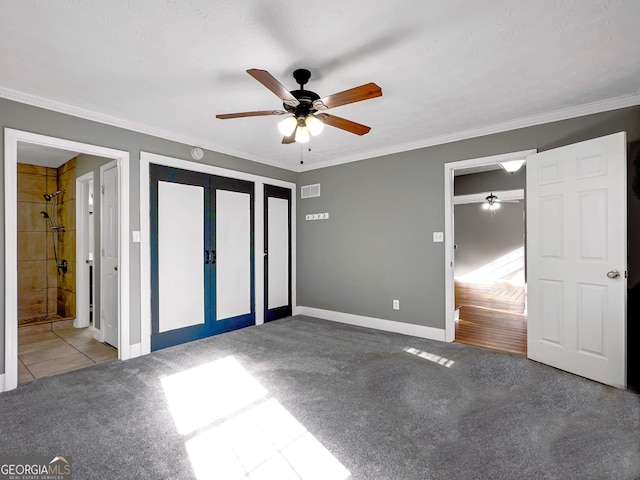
x=481 y=237
x=37 y=120
x=376 y=244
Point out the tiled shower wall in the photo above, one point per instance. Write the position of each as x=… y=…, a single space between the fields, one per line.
x=41 y=291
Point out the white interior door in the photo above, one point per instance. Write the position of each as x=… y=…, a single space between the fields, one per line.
x=576 y=258
x=109 y=255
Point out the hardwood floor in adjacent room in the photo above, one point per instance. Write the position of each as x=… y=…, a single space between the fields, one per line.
x=492 y=316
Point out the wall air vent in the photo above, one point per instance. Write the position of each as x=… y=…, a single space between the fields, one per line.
x=309 y=191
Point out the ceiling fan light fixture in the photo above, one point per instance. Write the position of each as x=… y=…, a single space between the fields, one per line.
x=288 y=125
x=302 y=133
x=512 y=166
x=314 y=124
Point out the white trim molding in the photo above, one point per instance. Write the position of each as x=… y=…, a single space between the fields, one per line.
x=136 y=350
x=523 y=122
x=83 y=277
x=94 y=116
x=372 y=322
x=146 y=159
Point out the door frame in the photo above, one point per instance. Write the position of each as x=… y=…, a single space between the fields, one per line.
x=11 y=139
x=83 y=279
x=449 y=254
x=147 y=158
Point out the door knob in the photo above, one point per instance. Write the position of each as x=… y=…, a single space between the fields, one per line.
x=613 y=274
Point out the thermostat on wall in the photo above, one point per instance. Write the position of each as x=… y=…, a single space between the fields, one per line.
x=197 y=153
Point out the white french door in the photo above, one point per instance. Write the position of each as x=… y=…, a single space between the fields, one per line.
x=576 y=258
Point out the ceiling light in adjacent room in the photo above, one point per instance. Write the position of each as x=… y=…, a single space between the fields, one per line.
x=512 y=166
x=491 y=203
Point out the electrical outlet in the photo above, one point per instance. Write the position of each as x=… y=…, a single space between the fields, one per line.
x=396 y=304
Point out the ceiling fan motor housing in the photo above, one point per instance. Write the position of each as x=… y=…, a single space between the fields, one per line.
x=305 y=97
x=305 y=107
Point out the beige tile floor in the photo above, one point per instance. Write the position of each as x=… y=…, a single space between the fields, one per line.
x=59 y=351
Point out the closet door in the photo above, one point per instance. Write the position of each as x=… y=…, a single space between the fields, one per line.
x=180 y=244
x=232 y=269
x=277 y=252
x=202 y=270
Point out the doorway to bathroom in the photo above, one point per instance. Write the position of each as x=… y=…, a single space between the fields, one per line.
x=47 y=225
x=56 y=241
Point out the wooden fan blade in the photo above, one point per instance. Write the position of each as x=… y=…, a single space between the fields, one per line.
x=344 y=124
x=269 y=81
x=356 y=94
x=290 y=139
x=261 y=113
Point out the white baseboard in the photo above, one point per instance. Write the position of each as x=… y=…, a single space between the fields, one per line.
x=375 y=323
x=1 y=382
x=135 y=350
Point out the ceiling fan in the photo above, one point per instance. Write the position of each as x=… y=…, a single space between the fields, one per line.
x=304 y=105
x=493 y=203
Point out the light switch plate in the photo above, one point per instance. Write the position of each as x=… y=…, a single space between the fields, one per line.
x=438 y=236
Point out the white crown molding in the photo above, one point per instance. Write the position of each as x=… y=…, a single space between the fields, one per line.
x=540 y=119
x=86 y=114
x=549 y=117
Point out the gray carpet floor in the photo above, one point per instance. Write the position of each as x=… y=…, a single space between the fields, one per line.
x=306 y=398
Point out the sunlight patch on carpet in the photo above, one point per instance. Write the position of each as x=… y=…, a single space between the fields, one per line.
x=236 y=432
x=445 y=362
x=201 y=395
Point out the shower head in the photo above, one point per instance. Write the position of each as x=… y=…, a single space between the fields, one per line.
x=49 y=196
x=46 y=216
x=51 y=223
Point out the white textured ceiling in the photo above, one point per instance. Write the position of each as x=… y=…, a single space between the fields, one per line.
x=448 y=69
